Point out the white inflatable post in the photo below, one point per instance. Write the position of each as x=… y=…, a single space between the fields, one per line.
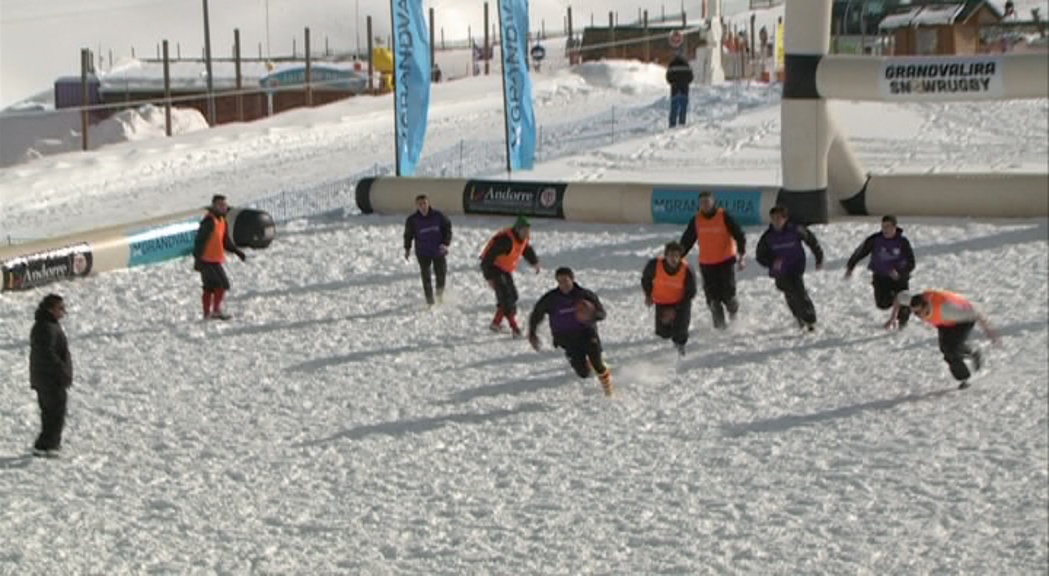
x=805 y=131
x=715 y=71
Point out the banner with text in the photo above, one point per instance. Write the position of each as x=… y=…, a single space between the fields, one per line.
x=678 y=206
x=941 y=79
x=411 y=52
x=517 y=85
x=542 y=199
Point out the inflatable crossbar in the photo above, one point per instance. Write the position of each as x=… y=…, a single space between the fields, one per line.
x=608 y=202
x=26 y=266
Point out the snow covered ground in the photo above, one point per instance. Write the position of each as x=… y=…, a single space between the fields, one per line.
x=337 y=426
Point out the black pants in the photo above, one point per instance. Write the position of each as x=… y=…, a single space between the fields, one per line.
x=440 y=270
x=719 y=287
x=505 y=292
x=885 y=291
x=955 y=348
x=677 y=328
x=52 y=401
x=801 y=307
x=579 y=347
x=213 y=276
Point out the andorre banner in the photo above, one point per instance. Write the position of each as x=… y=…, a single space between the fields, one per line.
x=411 y=50
x=517 y=85
x=941 y=79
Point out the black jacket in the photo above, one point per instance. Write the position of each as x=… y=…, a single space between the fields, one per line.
x=679 y=75
x=763 y=253
x=503 y=245
x=204 y=232
x=649 y=275
x=49 y=363
x=688 y=237
x=542 y=307
x=867 y=248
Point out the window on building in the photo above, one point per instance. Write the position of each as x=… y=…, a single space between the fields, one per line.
x=926 y=41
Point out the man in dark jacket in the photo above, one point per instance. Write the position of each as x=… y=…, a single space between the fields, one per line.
x=209 y=255
x=679 y=76
x=498 y=262
x=780 y=250
x=50 y=373
x=431 y=231
x=891 y=265
x=574 y=313
x=721 y=243
x=670 y=284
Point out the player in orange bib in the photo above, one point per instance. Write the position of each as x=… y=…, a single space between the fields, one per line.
x=953 y=316
x=670 y=285
x=209 y=255
x=498 y=262
x=722 y=246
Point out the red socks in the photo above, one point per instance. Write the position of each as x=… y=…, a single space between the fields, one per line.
x=205 y=300
x=216 y=305
x=512 y=319
x=498 y=320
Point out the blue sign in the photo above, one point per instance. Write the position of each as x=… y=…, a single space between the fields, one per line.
x=678 y=206
x=165 y=242
x=538 y=52
x=320 y=75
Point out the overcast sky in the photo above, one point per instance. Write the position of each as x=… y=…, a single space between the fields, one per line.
x=41 y=39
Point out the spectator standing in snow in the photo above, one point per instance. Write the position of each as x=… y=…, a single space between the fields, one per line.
x=50 y=373
x=679 y=77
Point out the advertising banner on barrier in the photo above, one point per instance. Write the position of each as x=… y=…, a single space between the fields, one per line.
x=941 y=79
x=541 y=199
x=155 y=245
x=39 y=268
x=678 y=205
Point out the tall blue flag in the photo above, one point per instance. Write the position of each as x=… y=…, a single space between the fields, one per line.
x=411 y=60
x=517 y=85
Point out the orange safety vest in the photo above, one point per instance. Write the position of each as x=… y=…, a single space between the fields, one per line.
x=507 y=262
x=215 y=249
x=669 y=288
x=716 y=244
x=936 y=300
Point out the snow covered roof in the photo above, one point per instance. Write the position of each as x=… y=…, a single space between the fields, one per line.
x=899 y=20
x=188 y=75
x=928 y=15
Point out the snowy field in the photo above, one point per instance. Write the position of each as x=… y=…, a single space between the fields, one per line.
x=336 y=426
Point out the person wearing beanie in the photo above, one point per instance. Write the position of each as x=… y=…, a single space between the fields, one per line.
x=499 y=261
x=891 y=264
x=953 y=316
x=573 y=313
x=670 y=285
x=50 y=373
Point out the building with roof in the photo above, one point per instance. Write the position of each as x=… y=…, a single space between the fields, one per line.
x=940 y=28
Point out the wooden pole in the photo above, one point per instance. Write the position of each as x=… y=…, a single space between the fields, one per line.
x=167 y=91
x=371 y=65
x=648 y=41
x=207 y=65
x=571 y=43
x=309 y=67
x=486 y=45
x=85 y=65
x=612 y=34
x=240 y=79
x=433 y=47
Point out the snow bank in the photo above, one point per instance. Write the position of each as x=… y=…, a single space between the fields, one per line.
x=133 y=125
x=629 y=76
